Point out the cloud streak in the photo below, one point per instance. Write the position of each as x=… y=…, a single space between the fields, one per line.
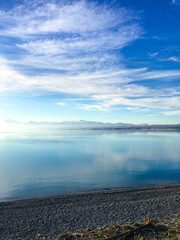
x=174 y=59
x=48 y=18
x=108 y=90
x=76 y=36
x=172 y=113
x=62 y=17
x=75 y=48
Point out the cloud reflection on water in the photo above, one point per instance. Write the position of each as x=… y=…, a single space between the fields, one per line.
x=37 y=165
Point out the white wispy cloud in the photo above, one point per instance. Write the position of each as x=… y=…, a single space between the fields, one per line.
x=79 y=42
x=61 y=103
x=11 y=80
x=85 y=33
x=174 y=59
x=108 y=92
x=153 y=54
x=62 y=17
x=172 y=113
x=100 y=40
x=159 y=74
x=169 y=59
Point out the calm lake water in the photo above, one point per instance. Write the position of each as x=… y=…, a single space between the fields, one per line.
x=34 y=165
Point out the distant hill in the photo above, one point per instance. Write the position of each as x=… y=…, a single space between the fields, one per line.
x=74 y=123
x=95 y=125
x=169 y=127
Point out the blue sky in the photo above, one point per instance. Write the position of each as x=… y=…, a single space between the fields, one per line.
x=111 y=61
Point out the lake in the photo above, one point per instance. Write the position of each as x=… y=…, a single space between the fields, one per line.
x=71 y=161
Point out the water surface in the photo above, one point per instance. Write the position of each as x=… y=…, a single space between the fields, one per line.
x=53 y=163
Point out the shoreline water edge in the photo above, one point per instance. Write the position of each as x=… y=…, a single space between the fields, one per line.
x=24 y=219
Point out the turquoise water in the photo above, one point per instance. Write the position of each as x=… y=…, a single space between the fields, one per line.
x=35 y=165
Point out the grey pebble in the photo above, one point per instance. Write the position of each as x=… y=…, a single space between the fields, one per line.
x=24 y=219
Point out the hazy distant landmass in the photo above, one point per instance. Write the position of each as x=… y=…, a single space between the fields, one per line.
x=97 y=125
x=83 y=123
x=144 y=127
x=74 y=123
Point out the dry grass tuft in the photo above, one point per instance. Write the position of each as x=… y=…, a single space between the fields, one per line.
x=147 y=230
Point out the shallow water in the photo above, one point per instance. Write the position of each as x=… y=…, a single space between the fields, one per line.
x=52 y=163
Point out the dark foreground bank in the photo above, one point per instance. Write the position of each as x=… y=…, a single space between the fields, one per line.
x=24 y=219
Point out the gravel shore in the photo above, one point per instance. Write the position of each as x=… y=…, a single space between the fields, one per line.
x=24 y=219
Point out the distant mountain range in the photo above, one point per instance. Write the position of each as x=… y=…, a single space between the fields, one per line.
x=83 y=124
x=78 y=123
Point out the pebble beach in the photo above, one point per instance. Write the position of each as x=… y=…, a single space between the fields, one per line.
x=25 y=219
